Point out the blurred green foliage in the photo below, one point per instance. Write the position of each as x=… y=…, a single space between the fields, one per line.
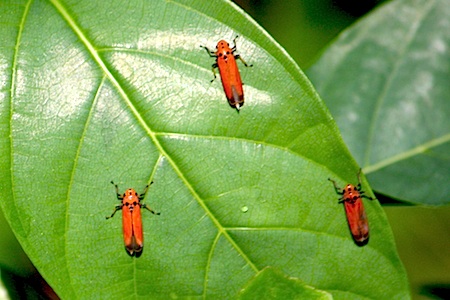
x=304 y=28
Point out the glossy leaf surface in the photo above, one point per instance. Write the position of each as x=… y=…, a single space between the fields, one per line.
x=99 y=91
x=270 y=283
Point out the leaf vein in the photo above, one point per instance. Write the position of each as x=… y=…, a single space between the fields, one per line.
x=382 y=96
x=95 y=55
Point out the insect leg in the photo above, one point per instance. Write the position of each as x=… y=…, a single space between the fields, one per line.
x=367 y=197
x=118 y=207
x=210 y=53
x=358 y=187
x=214 y=66
x=338 y=190
x=119 y=196
x=149 y=209
x=237 y=56
x=342 y=200
x=141 y=196
x=361 y=193
x=234 y=42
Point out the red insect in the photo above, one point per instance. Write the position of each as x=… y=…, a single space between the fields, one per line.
x=131 y=219
x=229 y=72
x=354 y=208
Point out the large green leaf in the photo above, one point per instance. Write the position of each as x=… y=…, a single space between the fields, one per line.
x=94 y=91
x=386 y=81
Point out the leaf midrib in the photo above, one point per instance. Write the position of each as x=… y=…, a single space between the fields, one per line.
x=13 y=94
x=389 y=80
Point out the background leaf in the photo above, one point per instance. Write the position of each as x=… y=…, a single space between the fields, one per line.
x=94 y=92
x=385 y=81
